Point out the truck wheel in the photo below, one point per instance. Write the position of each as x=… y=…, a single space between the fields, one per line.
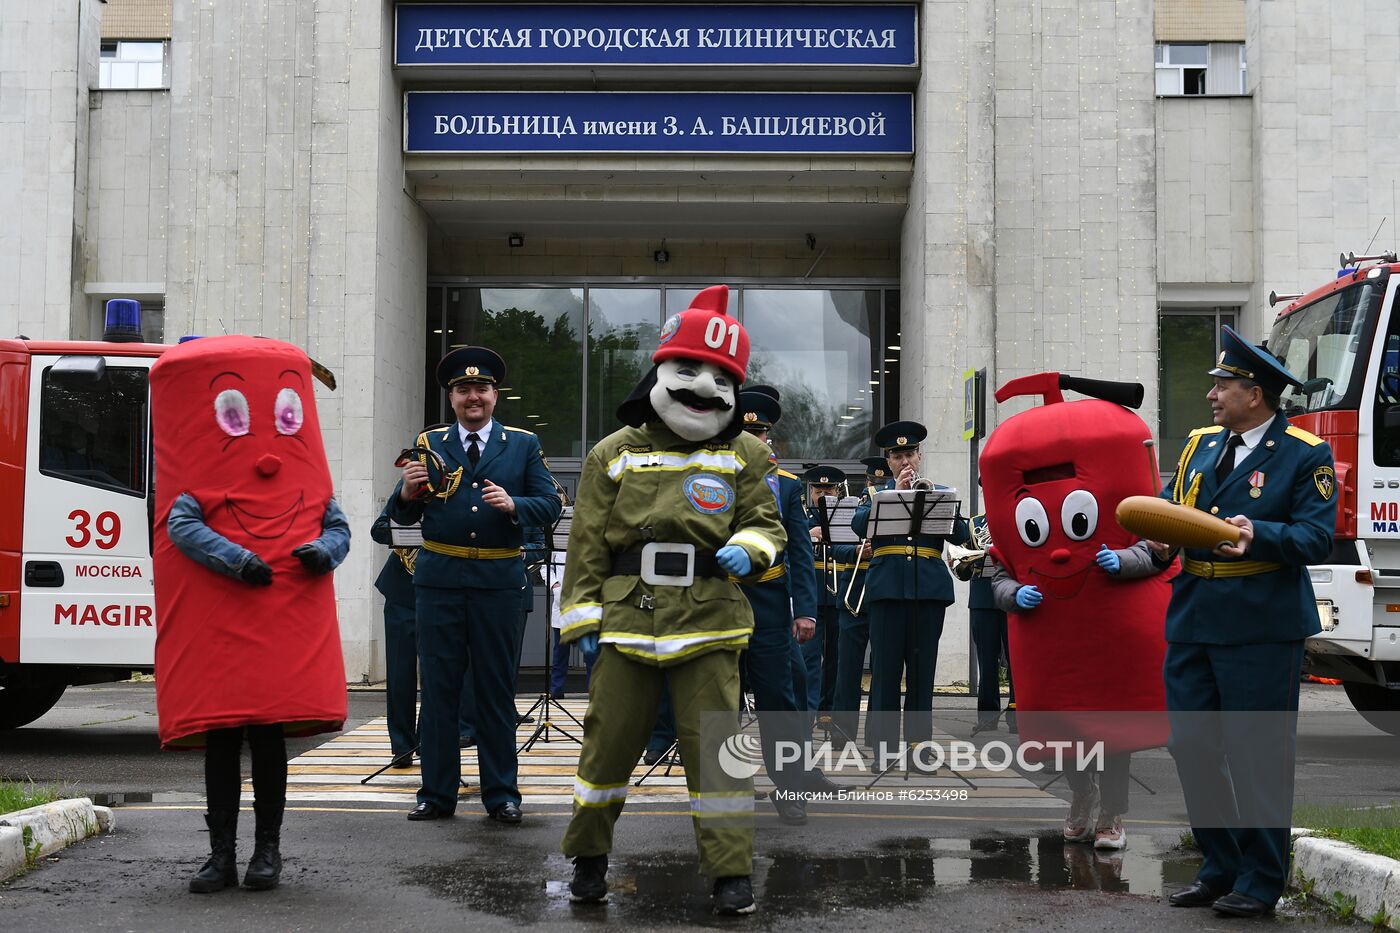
x=20 y=706
x=1380 y=706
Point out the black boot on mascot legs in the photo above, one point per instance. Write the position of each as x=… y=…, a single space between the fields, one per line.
x=265 y=867
x=221 y=870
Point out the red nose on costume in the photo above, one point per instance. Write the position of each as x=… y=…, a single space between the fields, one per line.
x=1060 y=555
x=269 y=464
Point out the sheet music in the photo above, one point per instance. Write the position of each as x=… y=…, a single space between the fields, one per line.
x=840 y=512
x=892 y=509
x=405 y=535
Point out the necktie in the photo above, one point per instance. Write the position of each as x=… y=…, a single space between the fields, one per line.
x=1227 y=460
x=474 y=451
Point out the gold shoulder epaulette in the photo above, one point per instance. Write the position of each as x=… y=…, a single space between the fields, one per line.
x=781 y=472
x=520 y=430
x=1307 y=437
x=422 y=440
x=1213 y=429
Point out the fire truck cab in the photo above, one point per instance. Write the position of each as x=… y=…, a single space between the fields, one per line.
x=76 y=507
x=1343 y=341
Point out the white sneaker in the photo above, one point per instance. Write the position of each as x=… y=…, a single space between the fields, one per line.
x=1079 y=825
x=1108 y=833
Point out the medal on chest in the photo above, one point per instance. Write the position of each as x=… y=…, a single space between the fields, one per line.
x=1256 y=484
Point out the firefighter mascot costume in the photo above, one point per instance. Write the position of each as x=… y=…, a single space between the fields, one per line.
x=667 y=510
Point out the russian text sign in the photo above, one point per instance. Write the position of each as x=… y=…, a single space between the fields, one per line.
x=658 y=122
x=593 y=34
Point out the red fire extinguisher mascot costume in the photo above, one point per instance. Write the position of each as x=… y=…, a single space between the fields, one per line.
x=1086 y=602
x=246 y=534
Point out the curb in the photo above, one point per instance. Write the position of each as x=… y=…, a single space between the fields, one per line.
x=1329 y=866
x=29 y=835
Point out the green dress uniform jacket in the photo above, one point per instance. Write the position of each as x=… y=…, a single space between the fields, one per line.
x=907 y=567
x=798 y=556
x=1265 y=596
x=708 y=494
x=458 y=524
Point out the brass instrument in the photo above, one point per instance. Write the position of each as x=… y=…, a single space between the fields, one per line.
x=855 y=573
x=961 y=560
x=922 y=484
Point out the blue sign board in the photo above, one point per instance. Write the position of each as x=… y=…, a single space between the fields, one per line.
x=664 y=122
x=670 y=34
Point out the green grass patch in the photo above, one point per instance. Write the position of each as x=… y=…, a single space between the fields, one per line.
x=1375 y=829
x=21 y=795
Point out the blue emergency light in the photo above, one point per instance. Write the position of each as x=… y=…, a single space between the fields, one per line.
x=123 y=321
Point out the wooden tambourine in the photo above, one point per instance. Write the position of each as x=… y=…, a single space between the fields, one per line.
x=1159 y=520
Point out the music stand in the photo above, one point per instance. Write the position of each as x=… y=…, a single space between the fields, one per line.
x=907 y=513
x=556 y=541
x=405 y=536
x=834 y=517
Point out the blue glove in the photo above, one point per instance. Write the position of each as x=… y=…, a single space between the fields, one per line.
x=1028 y=597
x=1108 y=560
x=588 y=645
x=734 y=560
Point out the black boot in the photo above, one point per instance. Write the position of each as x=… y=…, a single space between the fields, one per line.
x=265 y=867
x=221 y=871
x=590 y=884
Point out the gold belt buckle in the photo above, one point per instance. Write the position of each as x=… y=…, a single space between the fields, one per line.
x=909 y=552
x=1209 y=566
x=473 y=553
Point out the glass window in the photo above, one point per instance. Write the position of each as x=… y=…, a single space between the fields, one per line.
x=819 y=348
x=94 y=432
x=1319 y=344
x=1188 y=343
x=126 y=65
x=539 y=334
x=623 y=330
x=1187 y=54
x=678 y=299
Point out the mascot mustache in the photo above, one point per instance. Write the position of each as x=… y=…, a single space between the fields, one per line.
x=689 y=398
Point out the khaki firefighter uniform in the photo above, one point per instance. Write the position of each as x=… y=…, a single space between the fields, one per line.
x=641 y=486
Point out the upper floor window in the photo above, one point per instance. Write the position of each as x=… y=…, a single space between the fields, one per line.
x=128 y=64
x=1199 y=68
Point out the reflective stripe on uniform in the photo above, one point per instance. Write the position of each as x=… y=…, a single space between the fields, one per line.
x=725 y=461
x=757 y=541
x=578 y=615
x=598 y=795
x=649 y=646
x=721 y=803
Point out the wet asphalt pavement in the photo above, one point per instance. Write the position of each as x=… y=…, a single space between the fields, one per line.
x=362 y=866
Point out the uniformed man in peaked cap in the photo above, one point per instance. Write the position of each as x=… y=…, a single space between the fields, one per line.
x=907 y=591
x=784 y=605
x=1236 y=624
x=469 y=579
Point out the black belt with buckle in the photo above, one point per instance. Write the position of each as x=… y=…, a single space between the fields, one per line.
x=629 y=563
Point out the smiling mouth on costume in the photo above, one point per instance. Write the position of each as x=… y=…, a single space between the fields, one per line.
x=699 y=402
x=1066 y=586
x=272 y=526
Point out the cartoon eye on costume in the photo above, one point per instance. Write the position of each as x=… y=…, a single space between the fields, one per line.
x=287 y=412
x=1080 y=514
x=231 y=411
x=1032 y=521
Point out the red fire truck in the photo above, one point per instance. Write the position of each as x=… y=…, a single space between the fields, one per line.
x=76 y=602
x=1343 y=341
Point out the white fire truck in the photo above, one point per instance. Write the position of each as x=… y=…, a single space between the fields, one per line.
x=1343 y=341
x=76 y=506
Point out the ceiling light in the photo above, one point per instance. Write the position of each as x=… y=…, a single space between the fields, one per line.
x=438 y=331
x=874 y=382
x=512 y=398
x=847 y=417
x=893 y=347
x=532 y=416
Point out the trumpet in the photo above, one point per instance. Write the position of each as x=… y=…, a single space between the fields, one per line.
x=962 y=560
x=855 y=573
x=922 y=484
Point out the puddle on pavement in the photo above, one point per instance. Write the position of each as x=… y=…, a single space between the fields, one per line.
x=893 y=872
x=132 y=797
